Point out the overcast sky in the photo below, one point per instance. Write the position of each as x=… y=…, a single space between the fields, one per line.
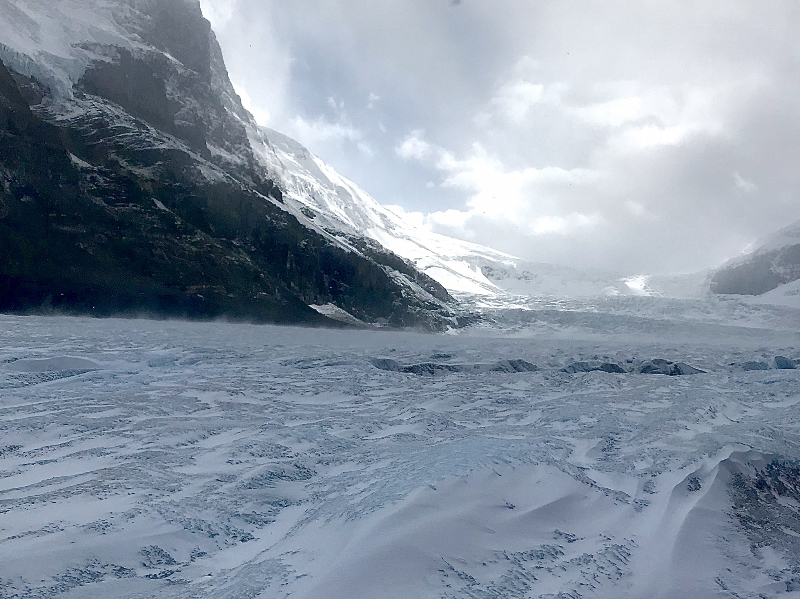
x=638 y=135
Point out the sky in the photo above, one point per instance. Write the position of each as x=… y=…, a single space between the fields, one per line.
x=644 y=136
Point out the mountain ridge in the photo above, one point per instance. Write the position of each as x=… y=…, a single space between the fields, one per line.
x=155 y=139
x=774 y=263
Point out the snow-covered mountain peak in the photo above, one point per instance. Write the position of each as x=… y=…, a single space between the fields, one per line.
x=787 y=236
x=323 y=198
x=50 y=40
x=58 y=43
x=142 y=100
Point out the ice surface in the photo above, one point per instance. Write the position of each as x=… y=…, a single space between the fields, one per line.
x=174 y=460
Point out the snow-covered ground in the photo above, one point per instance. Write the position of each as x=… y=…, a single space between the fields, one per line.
x=785 y=295
x=175 y=460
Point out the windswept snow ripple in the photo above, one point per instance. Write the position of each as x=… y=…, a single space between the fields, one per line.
x=178 y=460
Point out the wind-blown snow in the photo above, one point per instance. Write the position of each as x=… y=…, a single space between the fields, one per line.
x=786 y=236
x=176 y=460
x=530 y=455
x=782 y=238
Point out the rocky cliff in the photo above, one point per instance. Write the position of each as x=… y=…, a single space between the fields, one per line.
x=129 y=183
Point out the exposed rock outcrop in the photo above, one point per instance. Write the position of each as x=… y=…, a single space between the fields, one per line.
x=659 y=366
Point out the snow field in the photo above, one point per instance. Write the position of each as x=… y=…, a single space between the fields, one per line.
x=177 y=460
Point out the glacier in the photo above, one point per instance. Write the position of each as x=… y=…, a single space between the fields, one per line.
x=166 y=459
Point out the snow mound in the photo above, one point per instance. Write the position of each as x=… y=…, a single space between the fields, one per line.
x=784 y=295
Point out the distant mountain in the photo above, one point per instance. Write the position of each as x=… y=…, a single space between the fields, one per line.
x=321 y=198
x=133 y=181
x=775 y=262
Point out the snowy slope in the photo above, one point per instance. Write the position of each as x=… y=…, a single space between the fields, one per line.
x=51 y=40
x=56 y=42
x=322 y=198
x=783 y=238
x=142 y=86
x=787 y=294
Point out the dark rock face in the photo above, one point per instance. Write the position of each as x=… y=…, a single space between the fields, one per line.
x=431 y=369
x=684 y=369
x=655 y=366
x=140 y=195
x=133 y=84
x=755 y=277
x=749 y=366
x=179 y=28
x=381 y=255
x=93 y=241
x=514 y=366
x=611 y=368
x=387 y=364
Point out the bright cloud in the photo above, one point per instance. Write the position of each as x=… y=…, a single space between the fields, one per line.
x=219 y=12
x=612 y=113
x=321 y=130
x=529 y=197
x=515 y=99
x=414 y=146
x=743 y=184
x=561 y=131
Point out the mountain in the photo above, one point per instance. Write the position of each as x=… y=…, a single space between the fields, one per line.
x=775 y=263
x=321 y=198
x=133 y=181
